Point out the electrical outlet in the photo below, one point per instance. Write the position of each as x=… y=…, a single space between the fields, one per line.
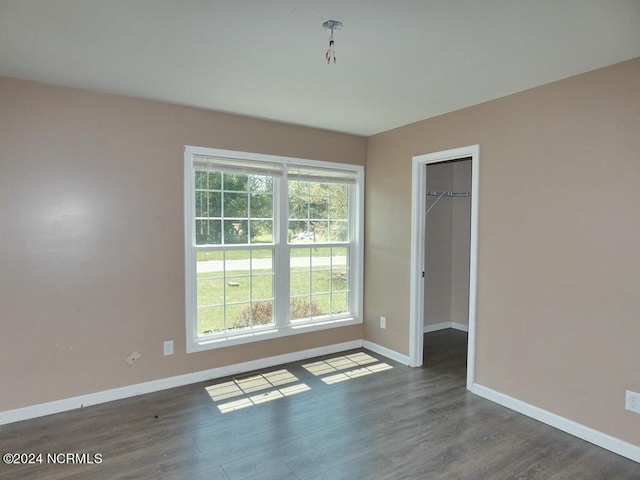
x=168 y=347
x=383 y=322
x=632 y=401
x=133 y=358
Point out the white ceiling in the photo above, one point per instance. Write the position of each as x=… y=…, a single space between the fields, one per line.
x=399 y=61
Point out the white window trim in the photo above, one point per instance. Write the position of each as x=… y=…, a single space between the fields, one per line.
x=281 y=267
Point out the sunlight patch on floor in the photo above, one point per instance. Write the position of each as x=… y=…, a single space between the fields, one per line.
x=258 y=388
x=355 y=373
x=346 y=367
x=271 y=386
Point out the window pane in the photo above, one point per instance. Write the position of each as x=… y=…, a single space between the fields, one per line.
x=338 y=231
x=320 y=231
x=239 y=283
x=321 y=257
x=339 y=279
x=339 y=303
x=207 y=180
x=261 y=313
x=235 y=182
x=260 y=184
x=238 y=286
x=323 y=303
x=236 y=262
x=300 y=281
x=201 y=204
x=340 y=269
x=200 y=180
x=339 y=255
x=318 y=208
x=236 y=205
x=235 y=315
x=207 y=204
x=300 y=308
x=339 y=213
x=214 y=204
x=205 y=260
x=210 y=320
x=313 y=206
x=208 y=232
x=214 y=181
x=235 y=231
x=210 y=292
x=338 y=208
x=261 y=231
x=319 y=282
x=262 y=261
x=262 y=285
x=300 y=232
x=261 y=205
x=299 y=224
x=338 y=193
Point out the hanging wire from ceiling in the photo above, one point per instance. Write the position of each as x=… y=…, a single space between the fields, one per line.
x=331 y=25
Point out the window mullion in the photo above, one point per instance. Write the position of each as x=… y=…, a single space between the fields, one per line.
x=282 y=275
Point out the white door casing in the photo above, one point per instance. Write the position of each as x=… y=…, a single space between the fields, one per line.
x=418 y=209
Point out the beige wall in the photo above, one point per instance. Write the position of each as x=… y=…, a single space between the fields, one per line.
x=91 y=247
x=558 y=261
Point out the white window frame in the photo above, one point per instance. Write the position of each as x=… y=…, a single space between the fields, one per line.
x=283 y=327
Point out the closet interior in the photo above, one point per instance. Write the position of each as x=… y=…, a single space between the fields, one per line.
x=447 y=244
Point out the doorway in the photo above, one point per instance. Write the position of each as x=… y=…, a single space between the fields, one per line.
x=424 y=201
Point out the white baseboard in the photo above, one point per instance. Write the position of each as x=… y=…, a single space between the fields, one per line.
x=441 y=326
x=596 y=437
x=460 y=326
x=386 y=352
x=434 y=327
x=33 y=411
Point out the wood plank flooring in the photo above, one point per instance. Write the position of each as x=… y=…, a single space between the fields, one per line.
x=354 y=415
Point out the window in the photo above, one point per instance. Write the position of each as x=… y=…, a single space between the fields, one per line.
x=272 y=246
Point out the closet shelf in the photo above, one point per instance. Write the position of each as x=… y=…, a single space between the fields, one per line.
x=443 y=193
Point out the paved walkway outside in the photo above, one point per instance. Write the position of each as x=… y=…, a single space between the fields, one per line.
x=266 y=263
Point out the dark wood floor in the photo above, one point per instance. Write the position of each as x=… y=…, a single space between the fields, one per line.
x=348 y=416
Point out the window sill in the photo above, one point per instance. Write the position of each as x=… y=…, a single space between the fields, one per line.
x=202 y=344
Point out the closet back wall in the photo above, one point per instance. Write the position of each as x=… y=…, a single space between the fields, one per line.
x=447 y=239
x=460 y=244
x=438 y=254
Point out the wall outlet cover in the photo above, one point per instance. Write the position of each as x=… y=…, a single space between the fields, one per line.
x=632 y=401
x=168 y=347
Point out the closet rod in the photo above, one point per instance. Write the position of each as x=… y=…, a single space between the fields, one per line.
x=440 y=193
